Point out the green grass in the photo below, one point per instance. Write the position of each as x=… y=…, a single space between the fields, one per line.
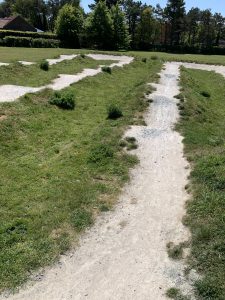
x=198 y=58
x=34 y=76
x=8 y=54
x=59 y=168
x=203 y=127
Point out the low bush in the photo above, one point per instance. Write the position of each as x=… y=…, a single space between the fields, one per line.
x=205 y=94
x=44 y=65
x=29 y=34
x=154 y=57
x=144 y=59
x=99 y=153
x=83 y=55
x=63 y=100
x=107 y=69
x=17 y=41
x=114 y=112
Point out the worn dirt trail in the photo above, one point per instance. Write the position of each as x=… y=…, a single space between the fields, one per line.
x=123 y=256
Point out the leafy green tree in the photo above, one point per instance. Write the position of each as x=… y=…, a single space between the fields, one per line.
x=207 y=33
x=192 y=22
x=100 y=27
x=109 y=3
x=69 y=25
x=175 y=12
x=219 y=21
x=148 y=29
x=54 y=6
x=133 y=11
x=121 y=38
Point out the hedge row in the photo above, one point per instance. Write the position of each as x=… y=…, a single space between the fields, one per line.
x=13 y=41
x=4 y=33
x=183 y=49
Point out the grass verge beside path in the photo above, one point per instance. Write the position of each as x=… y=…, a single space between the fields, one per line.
x=60 y=168
x=9 y=54
x=203 y=127
x=197 y=58
x=33 y=76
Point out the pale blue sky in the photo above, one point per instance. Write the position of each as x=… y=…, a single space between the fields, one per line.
x=215 y=5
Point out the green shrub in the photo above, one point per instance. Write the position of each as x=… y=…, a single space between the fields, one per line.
x=172 y=293
x=144 y=59
x=106 y=69
x=29 y=34
x=175 y=251
x=114 y=112
x=63 y=100
x=44 y=65
x=83 y=55
x=154 y=57
x=100 y=153
x=17 y=41
x=205 y=94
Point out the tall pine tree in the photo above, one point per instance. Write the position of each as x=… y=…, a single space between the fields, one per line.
x=175 y=12
x=100 y=26
x=121 y=38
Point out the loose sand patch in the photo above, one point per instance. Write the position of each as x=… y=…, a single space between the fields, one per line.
x=60 y=59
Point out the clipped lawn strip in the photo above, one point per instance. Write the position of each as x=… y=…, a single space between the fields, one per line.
x=34 y=76
x=59 y=168
x=203 y=127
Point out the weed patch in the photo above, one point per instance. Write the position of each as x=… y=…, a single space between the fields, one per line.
x=44 y=65
x=63 y=100
x=203 y=128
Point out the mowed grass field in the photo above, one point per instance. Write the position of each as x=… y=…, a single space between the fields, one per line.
x=10 y=54
x=203 y=127
x=32 y=75
x=60 y=168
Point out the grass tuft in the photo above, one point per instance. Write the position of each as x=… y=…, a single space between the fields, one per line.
x=204 y=136
x=64 y=100
x=114 y=112
x=107 y=69
x=44 y=65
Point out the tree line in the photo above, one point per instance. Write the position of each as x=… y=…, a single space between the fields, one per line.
x=122 y=24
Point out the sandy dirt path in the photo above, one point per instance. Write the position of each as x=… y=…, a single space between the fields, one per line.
x=123 y=256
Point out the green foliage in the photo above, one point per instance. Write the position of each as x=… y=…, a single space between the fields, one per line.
x=44 y=65
x=28 y=34
x=144 y=59
x=81 y=219
x=175 y=12
x=172 y=293
x=147 y=29
x=121 y=38
x=114 y=112
x=17 y=41
x=205 y=94
x=107 y=69
x=100 y=27
x=99 y=153
x=69 y=25
x=63 y=100
x=175 y=251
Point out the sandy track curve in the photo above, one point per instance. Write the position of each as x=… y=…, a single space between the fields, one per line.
x=123 y=256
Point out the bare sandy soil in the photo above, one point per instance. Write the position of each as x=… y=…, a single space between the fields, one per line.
x=124 y=255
